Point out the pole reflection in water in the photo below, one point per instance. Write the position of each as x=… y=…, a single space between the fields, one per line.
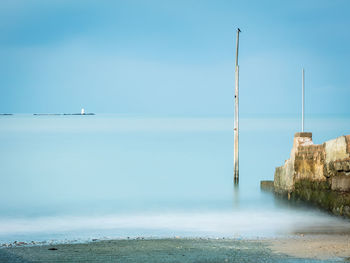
x=235 y=195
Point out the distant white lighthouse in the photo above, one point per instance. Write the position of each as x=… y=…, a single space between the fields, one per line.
x=82 y=111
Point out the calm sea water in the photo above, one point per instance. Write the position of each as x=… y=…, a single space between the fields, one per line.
x=111 y=176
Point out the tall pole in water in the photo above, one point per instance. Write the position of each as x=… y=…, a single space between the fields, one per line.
x=303 y=100
x=236 y=122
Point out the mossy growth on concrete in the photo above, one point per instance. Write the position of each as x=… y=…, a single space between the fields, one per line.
x=320 y=194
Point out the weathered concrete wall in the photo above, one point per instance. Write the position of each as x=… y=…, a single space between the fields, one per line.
x=317 y=173
x=285 y=175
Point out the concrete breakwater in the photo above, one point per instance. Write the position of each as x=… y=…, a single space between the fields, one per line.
x=317 y=173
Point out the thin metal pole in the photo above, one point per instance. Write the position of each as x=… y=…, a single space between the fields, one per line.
x=236 y=122
x=303 y=100
x=237 y=46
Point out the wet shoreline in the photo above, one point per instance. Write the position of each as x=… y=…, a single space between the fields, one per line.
x=288 y=249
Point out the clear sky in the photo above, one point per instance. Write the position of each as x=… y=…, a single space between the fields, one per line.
x=174 y=58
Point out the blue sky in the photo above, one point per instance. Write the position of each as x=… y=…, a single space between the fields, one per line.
x=174 y=58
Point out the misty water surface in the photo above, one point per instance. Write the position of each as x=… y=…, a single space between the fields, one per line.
x=111 y=176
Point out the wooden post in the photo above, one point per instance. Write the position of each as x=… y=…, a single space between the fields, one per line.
x=236 y=122
x=303 y=100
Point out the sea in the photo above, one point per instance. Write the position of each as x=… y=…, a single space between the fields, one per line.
x=109 y=176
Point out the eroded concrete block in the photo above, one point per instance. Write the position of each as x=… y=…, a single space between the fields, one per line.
x=341 y=183
x=336 y=149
